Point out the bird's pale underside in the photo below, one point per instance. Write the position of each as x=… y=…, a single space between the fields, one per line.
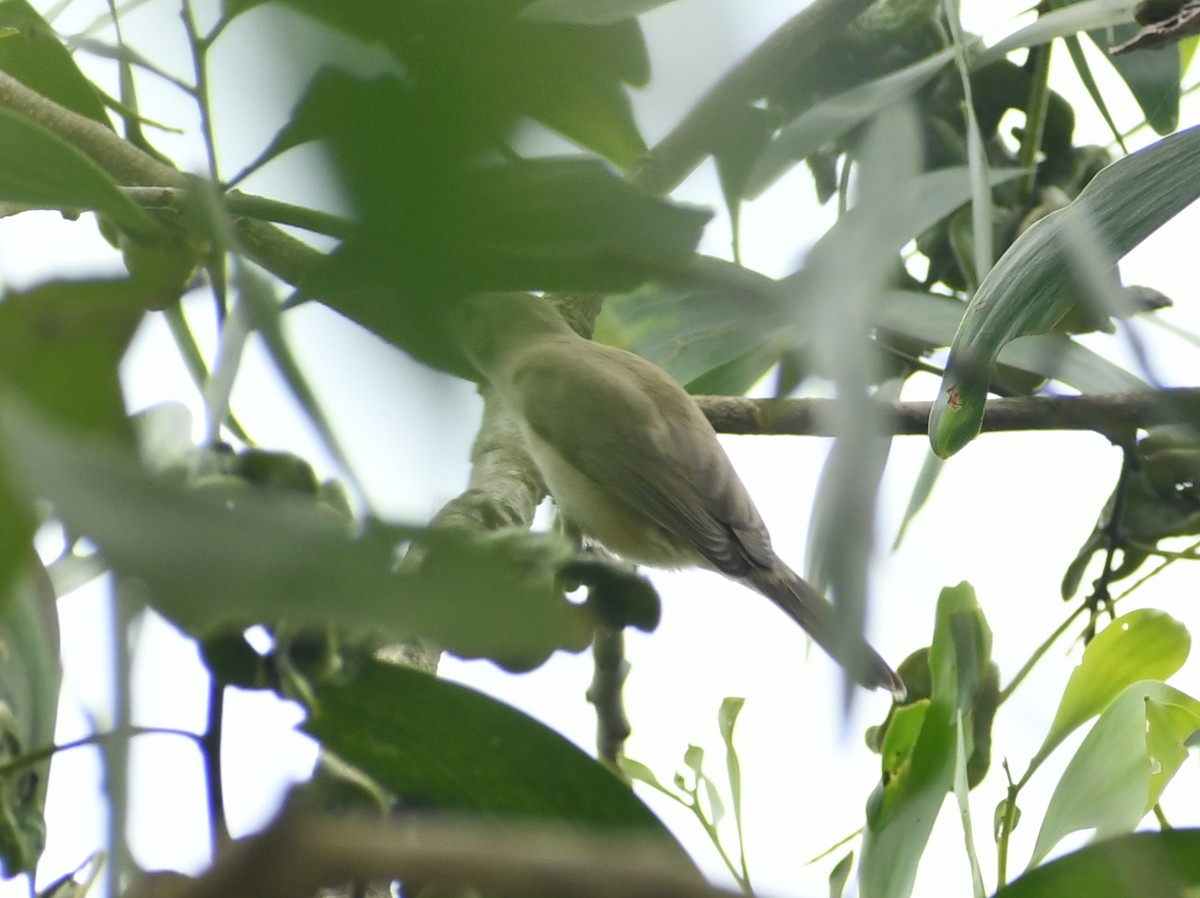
x=633 y=463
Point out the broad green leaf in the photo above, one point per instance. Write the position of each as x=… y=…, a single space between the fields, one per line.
x=1143 y=645
x=920 y=758
x=831 y=119
x=443 y=747
x=588 y=12
x=1140 y=865
x=477 y=67
x=1030 y=288
x=29 y=680
x=284 y=557
x=32 y=53
x=40 y=169
x=1122 y=765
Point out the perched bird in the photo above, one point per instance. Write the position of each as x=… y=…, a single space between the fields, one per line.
x=633 y=463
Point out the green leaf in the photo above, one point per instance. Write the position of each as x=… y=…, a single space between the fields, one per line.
x=29 y=681
x=1141 y=865
x=1030 y=288
x=1152 y=78
x=919 y=769
x=1122 y=765
x=690 y=329
x=40 y=169
x=32 y=53
x=831 y=119
x=285 y=557
x=60 y=346
x=1142 y=645
x=472 y=69
x=441 y=746
x=588 y=12
x=1069 y=20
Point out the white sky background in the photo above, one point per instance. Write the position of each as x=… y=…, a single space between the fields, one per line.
x=1008 y=515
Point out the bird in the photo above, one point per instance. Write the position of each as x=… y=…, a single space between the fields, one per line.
x=632 y=462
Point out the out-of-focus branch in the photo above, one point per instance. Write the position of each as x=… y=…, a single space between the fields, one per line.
x=1106 y=413
x=298 y=856
x=663 y=167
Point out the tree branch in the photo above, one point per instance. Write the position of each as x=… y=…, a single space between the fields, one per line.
x=1111 y=414
x=277 y=252
x=663 y=167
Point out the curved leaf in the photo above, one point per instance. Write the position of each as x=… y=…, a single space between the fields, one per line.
x=39 y=168
x=1122 y=765
x=1140 y=865
x=831 y=119
x=442 y=746
x=920 y=756
x=1146 y=644
x=1029 y=289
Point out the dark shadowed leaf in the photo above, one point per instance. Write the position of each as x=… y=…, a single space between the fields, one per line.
x=441 y=746
x=40 y=169
x=32 y=53
x=1140 y=865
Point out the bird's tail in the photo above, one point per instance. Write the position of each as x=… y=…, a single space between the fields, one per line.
x=815 y=614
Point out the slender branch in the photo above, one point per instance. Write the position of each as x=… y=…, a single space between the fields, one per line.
x=610 y=670
x=1111 y=414
x=667 y=164
x=249 y=206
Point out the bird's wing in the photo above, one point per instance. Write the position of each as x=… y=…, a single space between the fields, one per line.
x=653 y=449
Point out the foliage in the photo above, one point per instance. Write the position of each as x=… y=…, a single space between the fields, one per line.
x=956 y=233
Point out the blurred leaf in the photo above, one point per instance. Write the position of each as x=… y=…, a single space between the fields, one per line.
x=1069 y=20
x=1122 y=765
x=840 y=875
x=568 y=224
x=691 y=328
x=1159 y=500
x=588 y=12
x=29 y=681
x=1140 y=865
x=921 y=755
x=441 y=746
x=494 y=595
x=40 y=169
x=1143 y=645
x=60 y=346
x=1030 y=287
x=1152 y=78
x=32 y=53
x=477 y=67
x=830 y=120
x=731 y=707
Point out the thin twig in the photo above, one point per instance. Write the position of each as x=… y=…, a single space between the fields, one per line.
x=1111 y=414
